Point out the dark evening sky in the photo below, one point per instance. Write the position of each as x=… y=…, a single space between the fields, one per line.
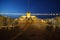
x=35 y=6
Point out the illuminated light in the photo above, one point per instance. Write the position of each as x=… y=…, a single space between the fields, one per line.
x=33 y=16
x=21 y=19
x=28 y=15
x=23 y=16
x=42 y=20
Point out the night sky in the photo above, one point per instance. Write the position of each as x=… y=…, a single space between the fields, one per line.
x=35 y=6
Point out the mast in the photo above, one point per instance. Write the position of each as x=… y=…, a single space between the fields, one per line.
x=28 y=5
